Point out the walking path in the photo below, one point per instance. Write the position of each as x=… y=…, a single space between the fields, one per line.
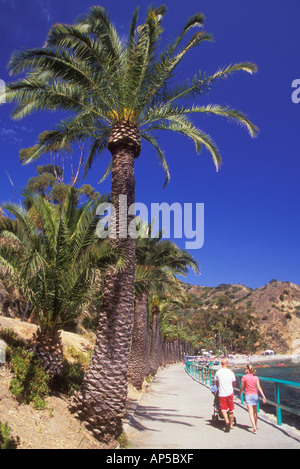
x=176 y=413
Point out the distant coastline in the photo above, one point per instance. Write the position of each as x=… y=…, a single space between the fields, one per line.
x=240 y=360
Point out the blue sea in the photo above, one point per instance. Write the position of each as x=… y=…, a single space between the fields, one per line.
x=288 y=396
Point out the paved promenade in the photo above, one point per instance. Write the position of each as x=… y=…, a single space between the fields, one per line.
x=176 y=413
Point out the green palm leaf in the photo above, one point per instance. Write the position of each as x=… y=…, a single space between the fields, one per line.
x=53 y=254
x=87 y=70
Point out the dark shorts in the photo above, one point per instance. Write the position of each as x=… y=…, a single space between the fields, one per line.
x=226 y=403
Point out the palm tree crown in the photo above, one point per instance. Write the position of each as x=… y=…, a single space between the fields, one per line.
x=115 y=89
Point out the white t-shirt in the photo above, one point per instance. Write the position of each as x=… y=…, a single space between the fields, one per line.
x=225 y=378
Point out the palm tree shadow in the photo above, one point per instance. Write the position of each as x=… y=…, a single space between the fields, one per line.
x=138 y=426
x=152 y=414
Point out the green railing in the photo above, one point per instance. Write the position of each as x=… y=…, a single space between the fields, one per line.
x=205 y=375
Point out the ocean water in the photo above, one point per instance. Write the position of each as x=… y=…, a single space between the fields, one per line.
x=288 y=396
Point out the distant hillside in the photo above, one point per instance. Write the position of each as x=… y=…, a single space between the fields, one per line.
x=275 y=305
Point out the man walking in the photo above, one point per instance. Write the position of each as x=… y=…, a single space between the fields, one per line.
x=225 y=381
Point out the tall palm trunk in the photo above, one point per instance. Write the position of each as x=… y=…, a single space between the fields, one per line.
x=165 y=353
x=101 y=402
x=139 y=361
x=155 y=342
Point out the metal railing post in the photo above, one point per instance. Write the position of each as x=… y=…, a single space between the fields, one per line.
x=277 y=400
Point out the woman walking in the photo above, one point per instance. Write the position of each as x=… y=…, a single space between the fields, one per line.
x=250 y=384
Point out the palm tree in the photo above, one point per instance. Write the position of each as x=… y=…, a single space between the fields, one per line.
x=53 y=255
x=159 y=305
x=118 y=93
x=158 y=261
x=156 y=350
x=178 y=338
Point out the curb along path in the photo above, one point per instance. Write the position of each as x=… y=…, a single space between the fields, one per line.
x=176 y=413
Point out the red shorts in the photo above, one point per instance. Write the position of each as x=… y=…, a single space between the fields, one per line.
x=226 y=403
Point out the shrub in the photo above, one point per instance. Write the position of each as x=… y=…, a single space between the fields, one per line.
x=71 y=378
x=6 y=440
x=74 y=367
x=30 y=384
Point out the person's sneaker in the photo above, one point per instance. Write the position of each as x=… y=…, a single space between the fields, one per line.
x=227 y=428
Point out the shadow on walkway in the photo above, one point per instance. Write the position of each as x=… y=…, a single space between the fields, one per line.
x=176 y=413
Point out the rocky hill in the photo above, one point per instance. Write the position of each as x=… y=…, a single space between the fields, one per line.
x=276 y=306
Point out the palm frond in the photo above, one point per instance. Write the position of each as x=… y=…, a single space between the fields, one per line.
x=228 y=112
x=171 y=112
x=36 y=95
x=98 y=145
x=182 y=125
x=98 y=22
x=168 y=61
x=199 y=85
x=151 y=139
x=53 y=254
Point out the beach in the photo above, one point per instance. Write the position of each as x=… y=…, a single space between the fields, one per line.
x=278 y=367
x=239 y=359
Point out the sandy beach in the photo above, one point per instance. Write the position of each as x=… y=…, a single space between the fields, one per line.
x=238 y=360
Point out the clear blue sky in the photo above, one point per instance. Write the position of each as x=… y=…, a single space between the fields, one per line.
x=252 y=223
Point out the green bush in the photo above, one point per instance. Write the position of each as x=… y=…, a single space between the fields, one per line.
x=30 y=384
x=71 y=378
x=6 y=440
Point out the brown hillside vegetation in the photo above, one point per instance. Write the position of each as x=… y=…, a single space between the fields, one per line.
x=277 y=305
x=50 y=428
x=53 y=427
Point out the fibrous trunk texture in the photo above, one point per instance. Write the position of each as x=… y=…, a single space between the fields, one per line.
x=49 y=351
x=155 y=343
x=101 y=401
x=139 y=361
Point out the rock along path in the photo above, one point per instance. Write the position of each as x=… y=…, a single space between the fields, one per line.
x=176 y=413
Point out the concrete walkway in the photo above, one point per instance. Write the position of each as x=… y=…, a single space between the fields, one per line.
x=176 y=413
